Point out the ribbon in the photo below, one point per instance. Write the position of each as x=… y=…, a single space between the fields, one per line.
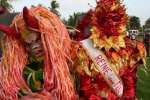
x=102 y=64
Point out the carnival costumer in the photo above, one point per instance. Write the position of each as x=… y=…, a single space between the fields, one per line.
x=106 y=59
x=36 y=41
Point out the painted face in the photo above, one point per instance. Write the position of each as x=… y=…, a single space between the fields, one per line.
x=111 y=19
x=33 y=44
x=110 y=23
x=110 y=16
x=31 y=37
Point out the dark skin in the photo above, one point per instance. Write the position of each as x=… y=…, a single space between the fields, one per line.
x=33 y=40
x=34 y=45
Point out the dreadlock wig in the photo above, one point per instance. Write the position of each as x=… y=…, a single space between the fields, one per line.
x=39 y=34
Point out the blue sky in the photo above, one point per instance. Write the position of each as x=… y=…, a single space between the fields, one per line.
x=140 y=8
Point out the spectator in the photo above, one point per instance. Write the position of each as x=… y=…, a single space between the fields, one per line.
x=147 y=43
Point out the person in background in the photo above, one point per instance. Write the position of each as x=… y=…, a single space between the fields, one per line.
x=147 y=43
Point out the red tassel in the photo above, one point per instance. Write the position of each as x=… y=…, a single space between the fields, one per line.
x=31 y=21
x=10 y=31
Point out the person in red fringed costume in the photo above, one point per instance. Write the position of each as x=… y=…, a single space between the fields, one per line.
x=36 y=44
x=106 y=28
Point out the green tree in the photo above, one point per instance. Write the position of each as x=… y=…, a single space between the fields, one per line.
x=54 y=7
x=72 y=22
x=134 y=23
x=5 y=6
x=147 y=25
x=74 y=19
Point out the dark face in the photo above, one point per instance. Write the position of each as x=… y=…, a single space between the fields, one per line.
x=110 y=23
x=34 y=45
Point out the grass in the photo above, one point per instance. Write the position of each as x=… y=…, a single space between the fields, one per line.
x=143 y=82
